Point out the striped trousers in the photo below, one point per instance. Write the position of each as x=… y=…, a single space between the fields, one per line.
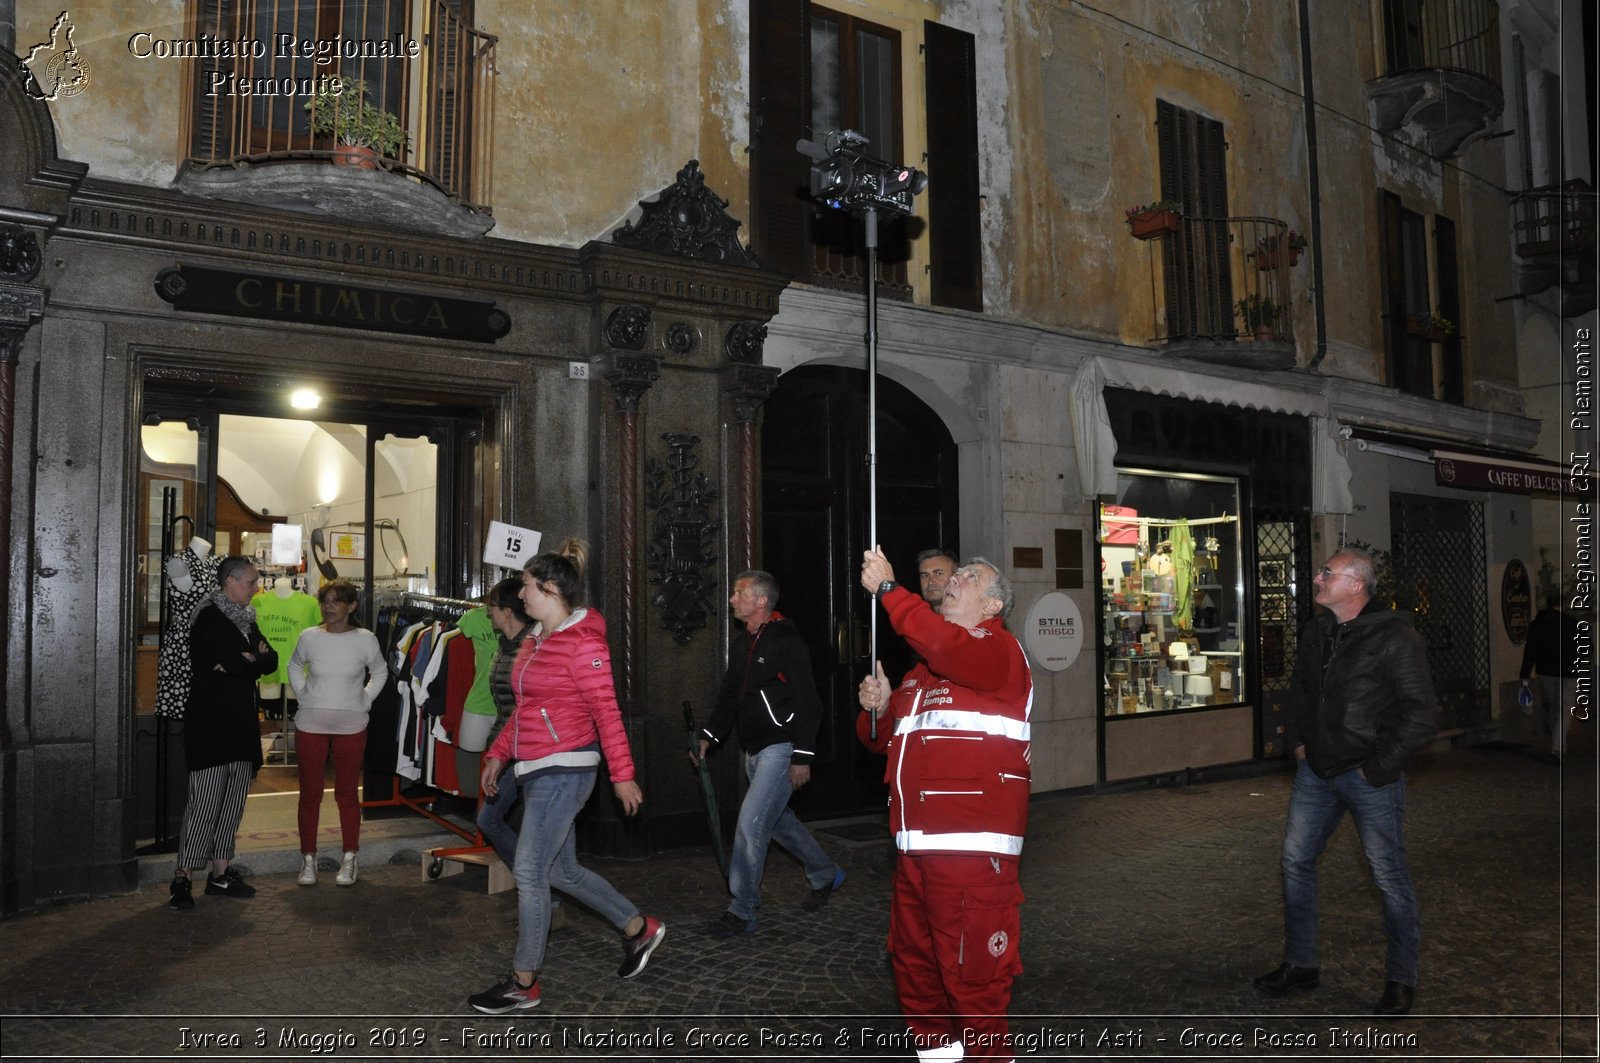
x=211 y=818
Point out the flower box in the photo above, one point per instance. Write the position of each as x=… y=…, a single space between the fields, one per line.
x=1273 y=258
x=1154 y=223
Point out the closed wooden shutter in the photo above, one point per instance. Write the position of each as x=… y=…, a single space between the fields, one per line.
x=780 y=211
x=1452 y=385
x=1193 y=157
x=954 y=226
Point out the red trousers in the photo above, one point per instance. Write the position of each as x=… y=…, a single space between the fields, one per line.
x=312 y=749
x=953 y=940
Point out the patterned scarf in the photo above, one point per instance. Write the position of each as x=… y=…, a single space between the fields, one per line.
x=241 y=615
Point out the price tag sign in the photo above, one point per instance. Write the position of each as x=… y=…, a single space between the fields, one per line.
x=286 y=549
x=509 y=546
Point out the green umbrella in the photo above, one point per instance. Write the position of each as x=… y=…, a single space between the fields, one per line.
x=708 y=792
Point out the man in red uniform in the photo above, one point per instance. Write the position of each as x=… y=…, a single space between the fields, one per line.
x=956 y=735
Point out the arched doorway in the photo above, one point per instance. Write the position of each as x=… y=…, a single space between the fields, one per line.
x=814 y=527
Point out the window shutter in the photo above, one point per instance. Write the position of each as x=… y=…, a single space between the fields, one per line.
x=780 y=212
x=954 y=225
x=1449 y=301
x=1392 y=277
x=1192 y=159
x=212 y=117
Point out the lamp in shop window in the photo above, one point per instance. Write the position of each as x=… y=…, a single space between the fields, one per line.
x=1198 y=687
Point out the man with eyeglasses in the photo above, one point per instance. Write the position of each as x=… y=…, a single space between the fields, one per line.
x=956 y=732
x=1361 y=702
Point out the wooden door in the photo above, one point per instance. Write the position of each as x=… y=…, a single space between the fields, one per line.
x=814 y=528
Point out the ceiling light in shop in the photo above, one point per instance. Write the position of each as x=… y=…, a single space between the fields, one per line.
x=305 y=399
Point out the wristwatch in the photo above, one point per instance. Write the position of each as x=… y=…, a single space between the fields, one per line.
x=886 y=586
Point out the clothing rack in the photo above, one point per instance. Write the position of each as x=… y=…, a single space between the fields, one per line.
x=444 y=609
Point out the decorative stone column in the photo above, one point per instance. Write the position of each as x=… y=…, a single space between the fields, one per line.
x=630 y=376
x=747 y=387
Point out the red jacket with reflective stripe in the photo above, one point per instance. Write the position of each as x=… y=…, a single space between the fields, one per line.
x=565 y=698
x=957 y=735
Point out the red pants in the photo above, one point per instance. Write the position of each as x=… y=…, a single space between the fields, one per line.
x=953 y=939
x=311 y=749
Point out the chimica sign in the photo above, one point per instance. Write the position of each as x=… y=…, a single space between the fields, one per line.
x=257 y=295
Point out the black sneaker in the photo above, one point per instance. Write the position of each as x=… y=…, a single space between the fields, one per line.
x=819 y=897
x=729 y=925
x=228 y=884
x=509 y=995
x=639 y=947
x=182 y=894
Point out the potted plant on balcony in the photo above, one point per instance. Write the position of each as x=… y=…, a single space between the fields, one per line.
x=1270 y=250
x=1150 y=220
x=1260 y=315
x=363 y=131
x=1433 y=327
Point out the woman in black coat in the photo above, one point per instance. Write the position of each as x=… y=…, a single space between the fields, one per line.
x=221 y=736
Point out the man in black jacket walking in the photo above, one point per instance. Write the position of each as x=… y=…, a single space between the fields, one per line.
x=768 y=694
x=1361 y=702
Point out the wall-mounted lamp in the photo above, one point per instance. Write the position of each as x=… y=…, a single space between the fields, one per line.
x=305 y=399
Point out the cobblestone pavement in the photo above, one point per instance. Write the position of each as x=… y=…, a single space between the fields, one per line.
x=1149 y=910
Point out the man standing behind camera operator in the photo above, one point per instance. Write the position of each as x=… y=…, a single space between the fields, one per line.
x=956 y=732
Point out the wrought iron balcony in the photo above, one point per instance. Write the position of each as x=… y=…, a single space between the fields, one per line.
x=1224 y=290
x=1441 y=77
x=246 y=117
x=1555 y=241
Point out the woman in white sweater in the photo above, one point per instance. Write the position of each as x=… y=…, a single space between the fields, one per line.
x=336 y=672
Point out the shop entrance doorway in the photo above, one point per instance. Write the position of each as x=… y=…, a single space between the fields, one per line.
x=814 y=528
x=386 y=496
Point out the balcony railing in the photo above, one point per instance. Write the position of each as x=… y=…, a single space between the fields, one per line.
x=1460 y=35
x=250 y=110
x=1554 y=219
x=1227 y=280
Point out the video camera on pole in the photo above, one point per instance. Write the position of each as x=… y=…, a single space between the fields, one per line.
x=844 y=177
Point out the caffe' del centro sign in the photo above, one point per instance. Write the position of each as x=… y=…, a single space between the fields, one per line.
x=258 y=295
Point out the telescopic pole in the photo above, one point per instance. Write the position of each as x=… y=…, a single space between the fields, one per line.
x=872 y=433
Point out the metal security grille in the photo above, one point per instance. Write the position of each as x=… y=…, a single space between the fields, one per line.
x=1436 y=566
x=1281 y=572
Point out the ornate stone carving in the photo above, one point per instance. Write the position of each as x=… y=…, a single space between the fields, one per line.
x=20 y=306
x=630 y=377
x=744 y=341
x=748 y=388
x=689 y=220
x=628 y=326
x=19 y=254
x=681 y=537
x=680 y=338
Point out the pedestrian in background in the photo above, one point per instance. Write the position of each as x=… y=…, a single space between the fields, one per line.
x=335 y=671
x=1551 y=650
x=221 y=732
x=769 y=697
x=934 y=568
x=566 y=714
x=957 y=734
x=1361 y=702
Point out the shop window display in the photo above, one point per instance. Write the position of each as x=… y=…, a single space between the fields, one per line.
x=1170 y=594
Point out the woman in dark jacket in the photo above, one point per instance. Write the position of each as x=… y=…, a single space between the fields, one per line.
x=221 y=738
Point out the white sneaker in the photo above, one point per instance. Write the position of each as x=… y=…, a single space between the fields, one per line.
x=308 y=869
x=347 y=871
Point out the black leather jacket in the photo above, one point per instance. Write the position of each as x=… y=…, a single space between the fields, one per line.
x=1362 y=696
x=775 y=700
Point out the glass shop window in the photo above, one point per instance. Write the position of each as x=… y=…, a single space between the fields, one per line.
x=1171 y=591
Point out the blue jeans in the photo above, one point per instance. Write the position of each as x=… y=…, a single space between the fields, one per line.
x=1316 y=806
x=547 y=855
x=766 y=817
x=492 y=819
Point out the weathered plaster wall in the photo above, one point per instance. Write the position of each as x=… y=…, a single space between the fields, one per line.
x=125 y=123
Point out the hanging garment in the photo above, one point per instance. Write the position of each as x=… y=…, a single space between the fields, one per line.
x=172 y=665
x=1183 y=574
